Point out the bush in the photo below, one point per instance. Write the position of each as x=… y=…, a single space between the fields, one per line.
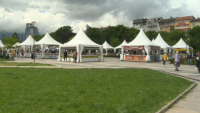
x=171 y=60
x=7 y=57
x=1 y=56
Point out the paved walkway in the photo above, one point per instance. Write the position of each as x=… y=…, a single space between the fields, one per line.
x=191 y=104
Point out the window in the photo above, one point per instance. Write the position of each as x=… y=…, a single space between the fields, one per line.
x=181 y=25
x=166 y=27
x=193 y=24
x=188 y=25
x=176 y=25
x=161 y=28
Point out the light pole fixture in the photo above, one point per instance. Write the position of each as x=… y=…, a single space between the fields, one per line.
x=33 y=23
x=188 y=39
x=4 y=32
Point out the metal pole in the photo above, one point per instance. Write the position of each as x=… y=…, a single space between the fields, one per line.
x=34 y=44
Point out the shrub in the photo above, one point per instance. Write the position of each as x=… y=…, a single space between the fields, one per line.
x=171 y=60
x=1 y=56
x=7 y=57
x=110 y=56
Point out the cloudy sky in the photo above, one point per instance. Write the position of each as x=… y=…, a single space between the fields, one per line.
x=52 y=14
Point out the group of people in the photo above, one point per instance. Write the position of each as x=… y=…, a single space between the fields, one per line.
x=65 y=54
x=177 y=58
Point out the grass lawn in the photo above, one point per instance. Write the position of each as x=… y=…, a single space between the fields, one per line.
x=32 y=90
x=4 y=63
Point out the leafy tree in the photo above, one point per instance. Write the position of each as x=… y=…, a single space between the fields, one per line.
x=38 y=37
x=194 y=35
x=172 y=29
x=151 y=34
x=9 y=40
x=14 y=35
x=115 y=42
x=63 y=34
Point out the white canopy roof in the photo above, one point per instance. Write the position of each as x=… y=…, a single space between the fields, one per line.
x=180 y=44
x=141 y=39
x=107 y=46
x=1 y=44
x=47 y=40
x=16 y=44
x=160 y=42
x=153 y=40
x=120 y=46
x=28 y=41
x=80 y=39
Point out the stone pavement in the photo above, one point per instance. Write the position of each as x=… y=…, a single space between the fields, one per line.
x=190 y=104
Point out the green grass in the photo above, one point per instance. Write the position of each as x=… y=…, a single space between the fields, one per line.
x=4 y=63
x=33 y=90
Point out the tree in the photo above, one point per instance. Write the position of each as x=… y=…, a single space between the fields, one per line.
x=115 y=42
x=9 y=40
x=37 y=37
x=14 y=35
x=151 y=34
x=194 y=35
x=63 y=34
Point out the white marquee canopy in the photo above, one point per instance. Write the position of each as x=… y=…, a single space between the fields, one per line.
x=141 y=40
x=80 y=42
x=107 y=47
x=160 y=42
x=1 y=44
x=47 y=40
x=181 y=45
x=28 y=42
x=120 y=46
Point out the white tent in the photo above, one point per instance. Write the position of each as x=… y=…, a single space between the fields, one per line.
x=181 y=45
x=16 y=44
x=141 y=40
x=107 y=47
x=160 y=42
x=1 y=45
x=80 y=42
x=45 y=41
x=120 y=46
x=153 y=40
x=29 y=42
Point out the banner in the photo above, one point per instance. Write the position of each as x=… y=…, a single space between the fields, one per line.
x=181 y=49
x=155 y=48
x=133 y=47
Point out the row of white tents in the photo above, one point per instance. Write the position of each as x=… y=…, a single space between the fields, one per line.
x=81 y=42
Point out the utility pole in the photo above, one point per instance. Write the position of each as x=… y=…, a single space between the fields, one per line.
x=33 y=23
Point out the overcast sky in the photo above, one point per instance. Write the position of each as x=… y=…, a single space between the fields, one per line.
x=52 y=14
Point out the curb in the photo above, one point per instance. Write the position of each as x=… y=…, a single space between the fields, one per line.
x=168 y=106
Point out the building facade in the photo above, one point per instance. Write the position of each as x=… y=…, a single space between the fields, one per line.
x=31 y=30
x=183 y=23
x=150 y=24
x=166 y=24
x=195 y=22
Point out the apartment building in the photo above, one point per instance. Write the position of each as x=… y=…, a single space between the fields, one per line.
x=166 y=24
x=183 y=23
x=31 y=29
x=195 y=22
x=150 y=24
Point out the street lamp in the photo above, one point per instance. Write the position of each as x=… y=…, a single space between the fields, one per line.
x=33 y=23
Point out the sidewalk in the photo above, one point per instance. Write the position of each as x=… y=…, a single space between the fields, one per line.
x=190 y=104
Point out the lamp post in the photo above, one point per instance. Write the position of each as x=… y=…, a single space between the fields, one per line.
x=4 y=33
x=33 y=23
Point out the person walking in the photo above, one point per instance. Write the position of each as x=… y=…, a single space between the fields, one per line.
x=22 y=53
x=32 y=55
x=75 y=56
x=197 y=60
x=65 y=55
x=164 y=58
x=189 y=57
x=177 y=64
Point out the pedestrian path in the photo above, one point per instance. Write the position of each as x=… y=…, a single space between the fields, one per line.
x=190 y=104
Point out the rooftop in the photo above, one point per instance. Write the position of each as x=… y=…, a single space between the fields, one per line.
x=185 y=18
x=196 y=20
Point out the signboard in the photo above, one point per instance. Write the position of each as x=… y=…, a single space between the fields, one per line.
x=182 y=49
x=155 y=48
x=133 y=47
x=135 y=58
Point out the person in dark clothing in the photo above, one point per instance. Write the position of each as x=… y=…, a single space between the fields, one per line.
x=65 y=55
x=197 y=60
x=189 y=57
x=32 y=55
x=199 y=63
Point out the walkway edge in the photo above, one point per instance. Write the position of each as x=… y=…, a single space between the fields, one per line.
x=168 y=106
